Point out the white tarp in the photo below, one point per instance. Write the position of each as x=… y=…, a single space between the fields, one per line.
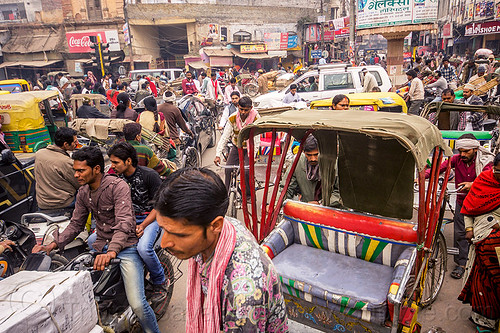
x=47 y=302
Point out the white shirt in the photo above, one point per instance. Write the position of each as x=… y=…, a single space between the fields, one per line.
x=289 y=98
x=63 y=81
x=228 y=110
x=322 y=61
x=197 y=84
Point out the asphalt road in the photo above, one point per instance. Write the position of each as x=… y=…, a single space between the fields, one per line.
x=447 y=314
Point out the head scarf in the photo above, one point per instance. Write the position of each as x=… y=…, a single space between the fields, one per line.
x=483 y=155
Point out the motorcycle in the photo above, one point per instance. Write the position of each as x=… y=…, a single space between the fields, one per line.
x=24 y=239
x=45 y=223
x=109 y=290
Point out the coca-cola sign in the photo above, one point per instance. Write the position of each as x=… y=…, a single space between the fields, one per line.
x=79 y=41
x=485 y=28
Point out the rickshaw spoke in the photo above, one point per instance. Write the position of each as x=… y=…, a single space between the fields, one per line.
x=267 y=218
x=243 y=186
x=251 y=172
x=266 y=186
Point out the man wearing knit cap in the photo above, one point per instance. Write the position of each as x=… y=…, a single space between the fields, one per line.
x=470 y=161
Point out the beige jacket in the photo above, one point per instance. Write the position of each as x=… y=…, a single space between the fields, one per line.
x=56 y=184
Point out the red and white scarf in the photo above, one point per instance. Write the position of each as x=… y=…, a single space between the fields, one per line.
x=484 y=195
x=205 y=316
x=250 y=119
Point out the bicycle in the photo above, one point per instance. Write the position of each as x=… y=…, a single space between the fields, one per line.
x=437 y=265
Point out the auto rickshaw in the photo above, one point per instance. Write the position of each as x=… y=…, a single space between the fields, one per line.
x=30 y=119
x=373 y=101
x=368 y=266
x=15 y=85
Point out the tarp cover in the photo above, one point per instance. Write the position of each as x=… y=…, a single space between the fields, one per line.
x=98 y=128
x=381 y=99
x=378 y=154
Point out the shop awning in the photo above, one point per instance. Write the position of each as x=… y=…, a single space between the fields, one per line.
x=221 y=61
x=83 y=61
x=217 y=52
x=139 y=58
x=198 y=64
x=252 y=55
x=32 y=43
x=36 y=63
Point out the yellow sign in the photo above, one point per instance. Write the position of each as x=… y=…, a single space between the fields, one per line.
x=253 y=48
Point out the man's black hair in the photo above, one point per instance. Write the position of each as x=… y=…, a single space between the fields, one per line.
x=310 y=144
x=467 y=136
x=91 y=155
x=144 y=85
x=233 y=80
x=496 y=161
x=64 y=134
x=293 y=86
x=446 y=59
x=131 y=131
x=235 y=93
x=124 y=150
x=311 y=79
x=245 y=102
x=88 y=85
x=213 y=73
x=196 y=195
x=114 y=86
x=203 y=74
x=448 y=91
x=188 y=73
x=438 y=73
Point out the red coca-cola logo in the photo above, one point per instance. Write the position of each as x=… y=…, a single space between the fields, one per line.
x=84 y=41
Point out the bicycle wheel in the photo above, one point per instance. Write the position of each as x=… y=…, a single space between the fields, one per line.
x=435 y=272
x=231 y=210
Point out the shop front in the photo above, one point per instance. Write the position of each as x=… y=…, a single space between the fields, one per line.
x=484 y=35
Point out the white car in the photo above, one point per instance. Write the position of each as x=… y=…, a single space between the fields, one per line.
x=331 y=79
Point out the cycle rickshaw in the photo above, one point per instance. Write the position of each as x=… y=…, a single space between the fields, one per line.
x=367 y=267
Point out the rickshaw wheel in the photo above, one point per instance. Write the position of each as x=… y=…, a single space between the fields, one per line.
x=435 y=272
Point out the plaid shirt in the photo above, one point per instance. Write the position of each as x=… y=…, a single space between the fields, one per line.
x=449 y=73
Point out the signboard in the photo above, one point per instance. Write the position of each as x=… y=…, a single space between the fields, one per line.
x=312 y=33
x=78 y=67
x=272 y=40
x=342 y=33
x=447 y=31
x=126 y=34
x=485 y=28
x=79 y=41
x=316 y=54
x=328 y=35
x=281 y=54
x=484 y=9
x=293 y=41
x=497 y=9
x=380 y=13
x=253 y=48
x=284 y=41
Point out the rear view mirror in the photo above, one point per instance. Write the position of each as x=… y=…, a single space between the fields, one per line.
x=7 y=157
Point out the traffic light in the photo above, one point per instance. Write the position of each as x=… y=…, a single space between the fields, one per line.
x=96 y=59
x=106 y=58
x=415 y=38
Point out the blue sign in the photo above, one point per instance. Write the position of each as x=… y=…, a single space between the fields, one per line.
x=316 y=54
x=293 y=41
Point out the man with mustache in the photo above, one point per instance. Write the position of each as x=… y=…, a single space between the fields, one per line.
x=470 y=161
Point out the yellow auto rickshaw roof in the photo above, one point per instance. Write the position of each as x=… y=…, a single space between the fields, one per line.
x=414 y=133
x=13 y=81
x=25 y=100
x=372 y=98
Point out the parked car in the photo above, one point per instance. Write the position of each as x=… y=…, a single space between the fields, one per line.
x=172 y=74
x=331 y=79
x=202 y=123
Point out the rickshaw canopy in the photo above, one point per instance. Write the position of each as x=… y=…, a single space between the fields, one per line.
x=381 y=101
x=23 y=110
x=377 y=153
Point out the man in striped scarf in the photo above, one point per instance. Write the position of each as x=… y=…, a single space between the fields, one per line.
x=232 y=284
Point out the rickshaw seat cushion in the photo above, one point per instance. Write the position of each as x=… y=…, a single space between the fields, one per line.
x=353 y=286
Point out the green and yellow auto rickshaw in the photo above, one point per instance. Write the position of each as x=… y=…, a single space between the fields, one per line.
x=30 y=119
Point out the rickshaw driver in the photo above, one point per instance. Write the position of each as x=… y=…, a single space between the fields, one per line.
x=246 y=115
x=468 y=164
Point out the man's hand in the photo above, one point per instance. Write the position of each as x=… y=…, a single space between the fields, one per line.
x=139 y=230
x=103 y=260
x=314 y=202
x=5 y=245
x=217 y=160
x=44 y=248
x=469 y=235
x=466 y=185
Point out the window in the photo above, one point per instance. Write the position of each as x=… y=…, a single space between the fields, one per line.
x=338 y=81
x=377 y=77
x=308 y=84
x=242 y=36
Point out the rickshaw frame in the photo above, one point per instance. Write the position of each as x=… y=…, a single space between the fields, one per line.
x=416 y=135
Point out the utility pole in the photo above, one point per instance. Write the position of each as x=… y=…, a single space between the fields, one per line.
x=130 y=49
x=352 y=30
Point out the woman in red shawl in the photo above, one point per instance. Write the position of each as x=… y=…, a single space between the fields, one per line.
x=481 y=211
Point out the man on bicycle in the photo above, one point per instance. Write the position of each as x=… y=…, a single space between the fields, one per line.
x=246 y=115
x=471 y=160
x=108 y=198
